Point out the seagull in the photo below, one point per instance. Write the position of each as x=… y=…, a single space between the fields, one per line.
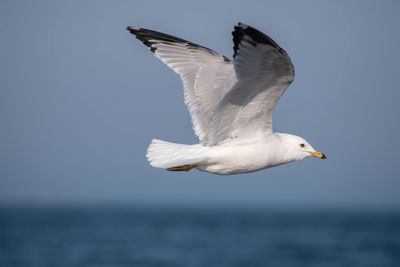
x=230 y=103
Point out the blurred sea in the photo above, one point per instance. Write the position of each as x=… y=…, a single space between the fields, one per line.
x=126 y=236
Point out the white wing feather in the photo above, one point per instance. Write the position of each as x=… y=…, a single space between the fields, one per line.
x=206 y=75
x=264 y=71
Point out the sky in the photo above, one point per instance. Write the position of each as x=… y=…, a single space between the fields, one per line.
x=81 y=99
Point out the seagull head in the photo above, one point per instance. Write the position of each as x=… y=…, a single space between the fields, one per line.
x=299 y=148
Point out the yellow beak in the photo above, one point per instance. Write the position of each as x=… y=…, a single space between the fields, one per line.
x=318 y=155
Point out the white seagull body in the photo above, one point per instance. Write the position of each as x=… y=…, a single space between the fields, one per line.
x=231 y=104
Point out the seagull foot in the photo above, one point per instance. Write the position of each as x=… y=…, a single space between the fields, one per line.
x=181 y=168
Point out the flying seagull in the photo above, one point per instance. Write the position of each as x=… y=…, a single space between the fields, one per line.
x=231 y=104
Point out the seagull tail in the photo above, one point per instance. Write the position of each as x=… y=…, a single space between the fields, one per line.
x=175 y=157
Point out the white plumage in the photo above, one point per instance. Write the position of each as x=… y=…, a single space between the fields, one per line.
x=231 y=104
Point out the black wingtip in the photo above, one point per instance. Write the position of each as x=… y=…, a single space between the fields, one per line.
x=255 y=35
x=237 y=36
x=150 y=37
x=141 y=34
x=132 y=30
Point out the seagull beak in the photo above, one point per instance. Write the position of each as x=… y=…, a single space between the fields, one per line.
x=318 y=155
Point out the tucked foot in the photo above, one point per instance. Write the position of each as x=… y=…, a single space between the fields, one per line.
x=181 y=168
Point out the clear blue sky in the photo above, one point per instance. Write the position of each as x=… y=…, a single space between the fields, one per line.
x=81 y=99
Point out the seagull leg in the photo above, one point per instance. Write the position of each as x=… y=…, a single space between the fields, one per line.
x=181 y=168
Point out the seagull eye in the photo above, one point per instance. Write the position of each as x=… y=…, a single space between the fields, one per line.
x=302 y=145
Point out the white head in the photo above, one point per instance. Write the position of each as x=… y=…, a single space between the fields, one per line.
x=297 y=148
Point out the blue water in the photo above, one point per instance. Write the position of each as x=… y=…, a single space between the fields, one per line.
x=196 y=237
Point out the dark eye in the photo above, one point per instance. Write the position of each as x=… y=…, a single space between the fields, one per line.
x=302 y=145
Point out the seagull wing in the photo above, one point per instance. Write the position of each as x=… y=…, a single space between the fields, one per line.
x=206 y=75
x=264 y=71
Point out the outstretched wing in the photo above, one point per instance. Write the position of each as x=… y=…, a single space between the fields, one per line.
x=264 y=71
x=206 y=75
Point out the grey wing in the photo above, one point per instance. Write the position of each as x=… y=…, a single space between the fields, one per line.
x=264 y=71
x=206 y=75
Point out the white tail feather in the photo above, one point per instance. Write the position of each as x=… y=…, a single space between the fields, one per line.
x=162 y=154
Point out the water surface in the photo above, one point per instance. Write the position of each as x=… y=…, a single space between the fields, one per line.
x=126 y=236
